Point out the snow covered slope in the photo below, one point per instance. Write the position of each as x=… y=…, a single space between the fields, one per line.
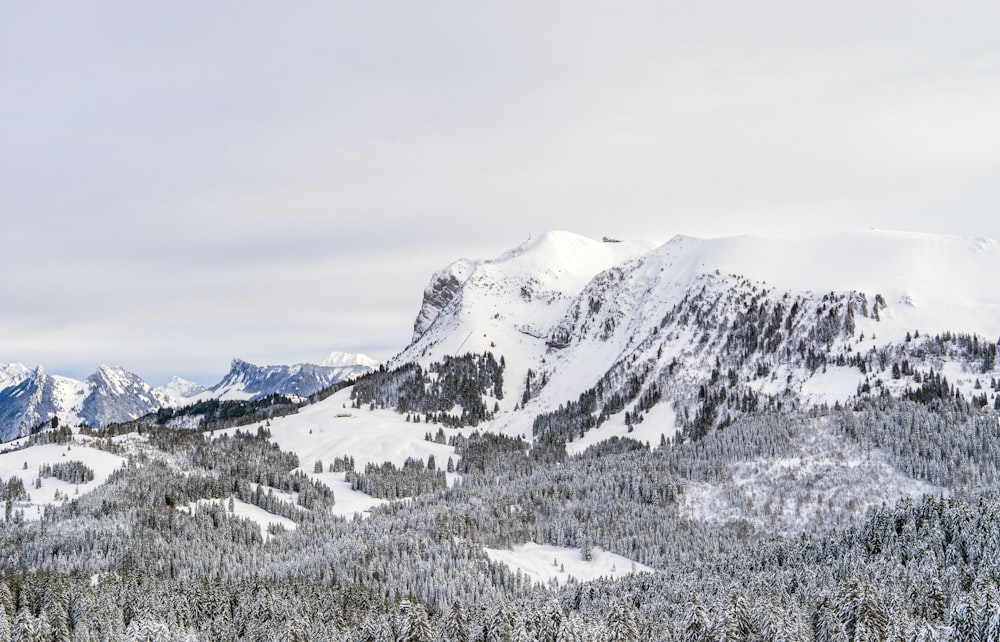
x=332 y=428
x=526 y=287
x=509 y=305
x=25 y=464
x=931 y=282
x=178 y=392
x=765 y=321
x=115 y=394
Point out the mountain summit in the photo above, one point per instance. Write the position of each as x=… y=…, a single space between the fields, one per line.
x=760 y=321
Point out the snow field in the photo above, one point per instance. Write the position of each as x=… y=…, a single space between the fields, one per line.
x=242 y=509
x=347 y=501
x=24 y=464
x=370 y=436
x=660 y=420
x=547 y=564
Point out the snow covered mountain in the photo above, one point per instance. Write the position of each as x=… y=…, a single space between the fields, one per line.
x=248 y=381
x=26 y=404
x=812 y=448
x=347 y=360
x=12 y=374
x=30 y=397
x=715 y=326
x=695 y=330
x=110 y=394
x=114 y=394
x=178 y=392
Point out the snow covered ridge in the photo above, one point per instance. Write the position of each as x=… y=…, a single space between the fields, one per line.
x=28 y=398
x=716 y=326
x=554 y=266
x=248 y=381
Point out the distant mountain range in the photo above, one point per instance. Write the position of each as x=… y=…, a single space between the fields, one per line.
x=29 y=397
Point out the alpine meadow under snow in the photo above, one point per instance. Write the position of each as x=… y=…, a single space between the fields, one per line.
x=704 y=439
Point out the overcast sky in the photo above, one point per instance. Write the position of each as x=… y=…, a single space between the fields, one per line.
x=182 y=183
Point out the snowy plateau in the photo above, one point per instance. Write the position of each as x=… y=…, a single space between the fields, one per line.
x=739 y=438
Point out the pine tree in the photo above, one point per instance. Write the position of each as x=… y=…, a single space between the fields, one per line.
x=990 y=614
x=147 y=630
x=698 y=624
x=963 y=622
x=622 y=625
x=5 y=629
x=925 y=633
x=570 y=629
x=863 y=613
x=826 y=627
x=500 y=626
x=415 y=627
x=773 y=623
x=7 y=601
x=455 y=627
x=737 y=624
x=28 y=628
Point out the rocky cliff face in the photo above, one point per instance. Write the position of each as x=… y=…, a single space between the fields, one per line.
x=445 y=285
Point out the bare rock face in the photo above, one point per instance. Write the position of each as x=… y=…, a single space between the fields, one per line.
x=443 y=288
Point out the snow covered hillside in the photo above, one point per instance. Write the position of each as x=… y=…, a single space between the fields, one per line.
x=717 y=326
x=30 y=467
x=748 y=438
x=658 y=342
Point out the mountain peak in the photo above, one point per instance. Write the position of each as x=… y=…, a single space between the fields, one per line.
x=105 y=370
x=348 y=359
x=555 y=265
x=572 y=253
x=241 y=365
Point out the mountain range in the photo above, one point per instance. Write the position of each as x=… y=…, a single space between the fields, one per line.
x=707 y=327
x=31 y=397
x=738 y=438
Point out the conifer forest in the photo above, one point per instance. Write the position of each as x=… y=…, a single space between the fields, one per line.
x=157 y=552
